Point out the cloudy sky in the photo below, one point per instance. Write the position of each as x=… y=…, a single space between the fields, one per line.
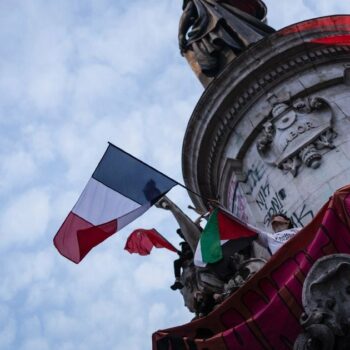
x=73 y=76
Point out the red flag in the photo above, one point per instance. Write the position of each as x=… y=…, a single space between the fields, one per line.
x=142 y=241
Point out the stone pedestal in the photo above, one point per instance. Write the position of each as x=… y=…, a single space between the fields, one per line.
x=271 y=133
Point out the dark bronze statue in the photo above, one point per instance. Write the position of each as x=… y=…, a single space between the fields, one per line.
x=209 y=27
x=203 y=288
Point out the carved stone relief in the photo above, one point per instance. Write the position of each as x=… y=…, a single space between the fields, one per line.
x=326 y=300
x=295 y=134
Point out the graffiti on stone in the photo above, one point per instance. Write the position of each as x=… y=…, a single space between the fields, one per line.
x=239 y=207
x=253 y=177
x=302 y=216
x=262 y=196
x=275 y=206
x=271 y=202
x=237 y=201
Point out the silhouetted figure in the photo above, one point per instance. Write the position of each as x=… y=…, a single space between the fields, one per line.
x=184 y=255
x=151 y=192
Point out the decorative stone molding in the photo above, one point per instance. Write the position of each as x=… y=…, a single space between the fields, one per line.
x=326 y=300
x=294 y=134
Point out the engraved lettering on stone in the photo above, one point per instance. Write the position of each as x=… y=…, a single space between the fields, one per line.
x=294 y=134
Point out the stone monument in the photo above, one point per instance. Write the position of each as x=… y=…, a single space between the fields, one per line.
x=270 y=134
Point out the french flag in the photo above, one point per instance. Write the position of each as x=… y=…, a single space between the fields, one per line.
x=120 y=190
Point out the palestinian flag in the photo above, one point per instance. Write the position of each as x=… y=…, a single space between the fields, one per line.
x=220 y=229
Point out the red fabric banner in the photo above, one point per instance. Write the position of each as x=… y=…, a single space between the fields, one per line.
x=322 y=24
x=333 y=40
x=265 y=312
x=142 y=241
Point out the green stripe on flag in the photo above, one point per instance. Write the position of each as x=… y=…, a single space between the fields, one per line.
x=210 y=240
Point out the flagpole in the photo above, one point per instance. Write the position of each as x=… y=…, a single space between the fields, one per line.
x=195 y=193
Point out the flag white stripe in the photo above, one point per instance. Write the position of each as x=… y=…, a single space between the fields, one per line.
x=124 y=220
x=198 y=259
x=99 y=204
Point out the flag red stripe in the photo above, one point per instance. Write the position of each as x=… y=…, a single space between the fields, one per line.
x=231 y=229
x=77 y=237
x=91 y=237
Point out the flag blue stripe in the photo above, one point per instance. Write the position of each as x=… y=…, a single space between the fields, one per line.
x=132 y=178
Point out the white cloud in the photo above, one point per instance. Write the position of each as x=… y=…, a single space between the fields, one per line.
x=16 y=168
x=157 y=314
x=31 y=325
x=62 y=203
x=328 y=7
x=150 y=276
x=7 y=328
x=25 y=219
x=21 y=270
x=35 y=344
x=38 y=140
x=285 y=13
x=59 y=324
